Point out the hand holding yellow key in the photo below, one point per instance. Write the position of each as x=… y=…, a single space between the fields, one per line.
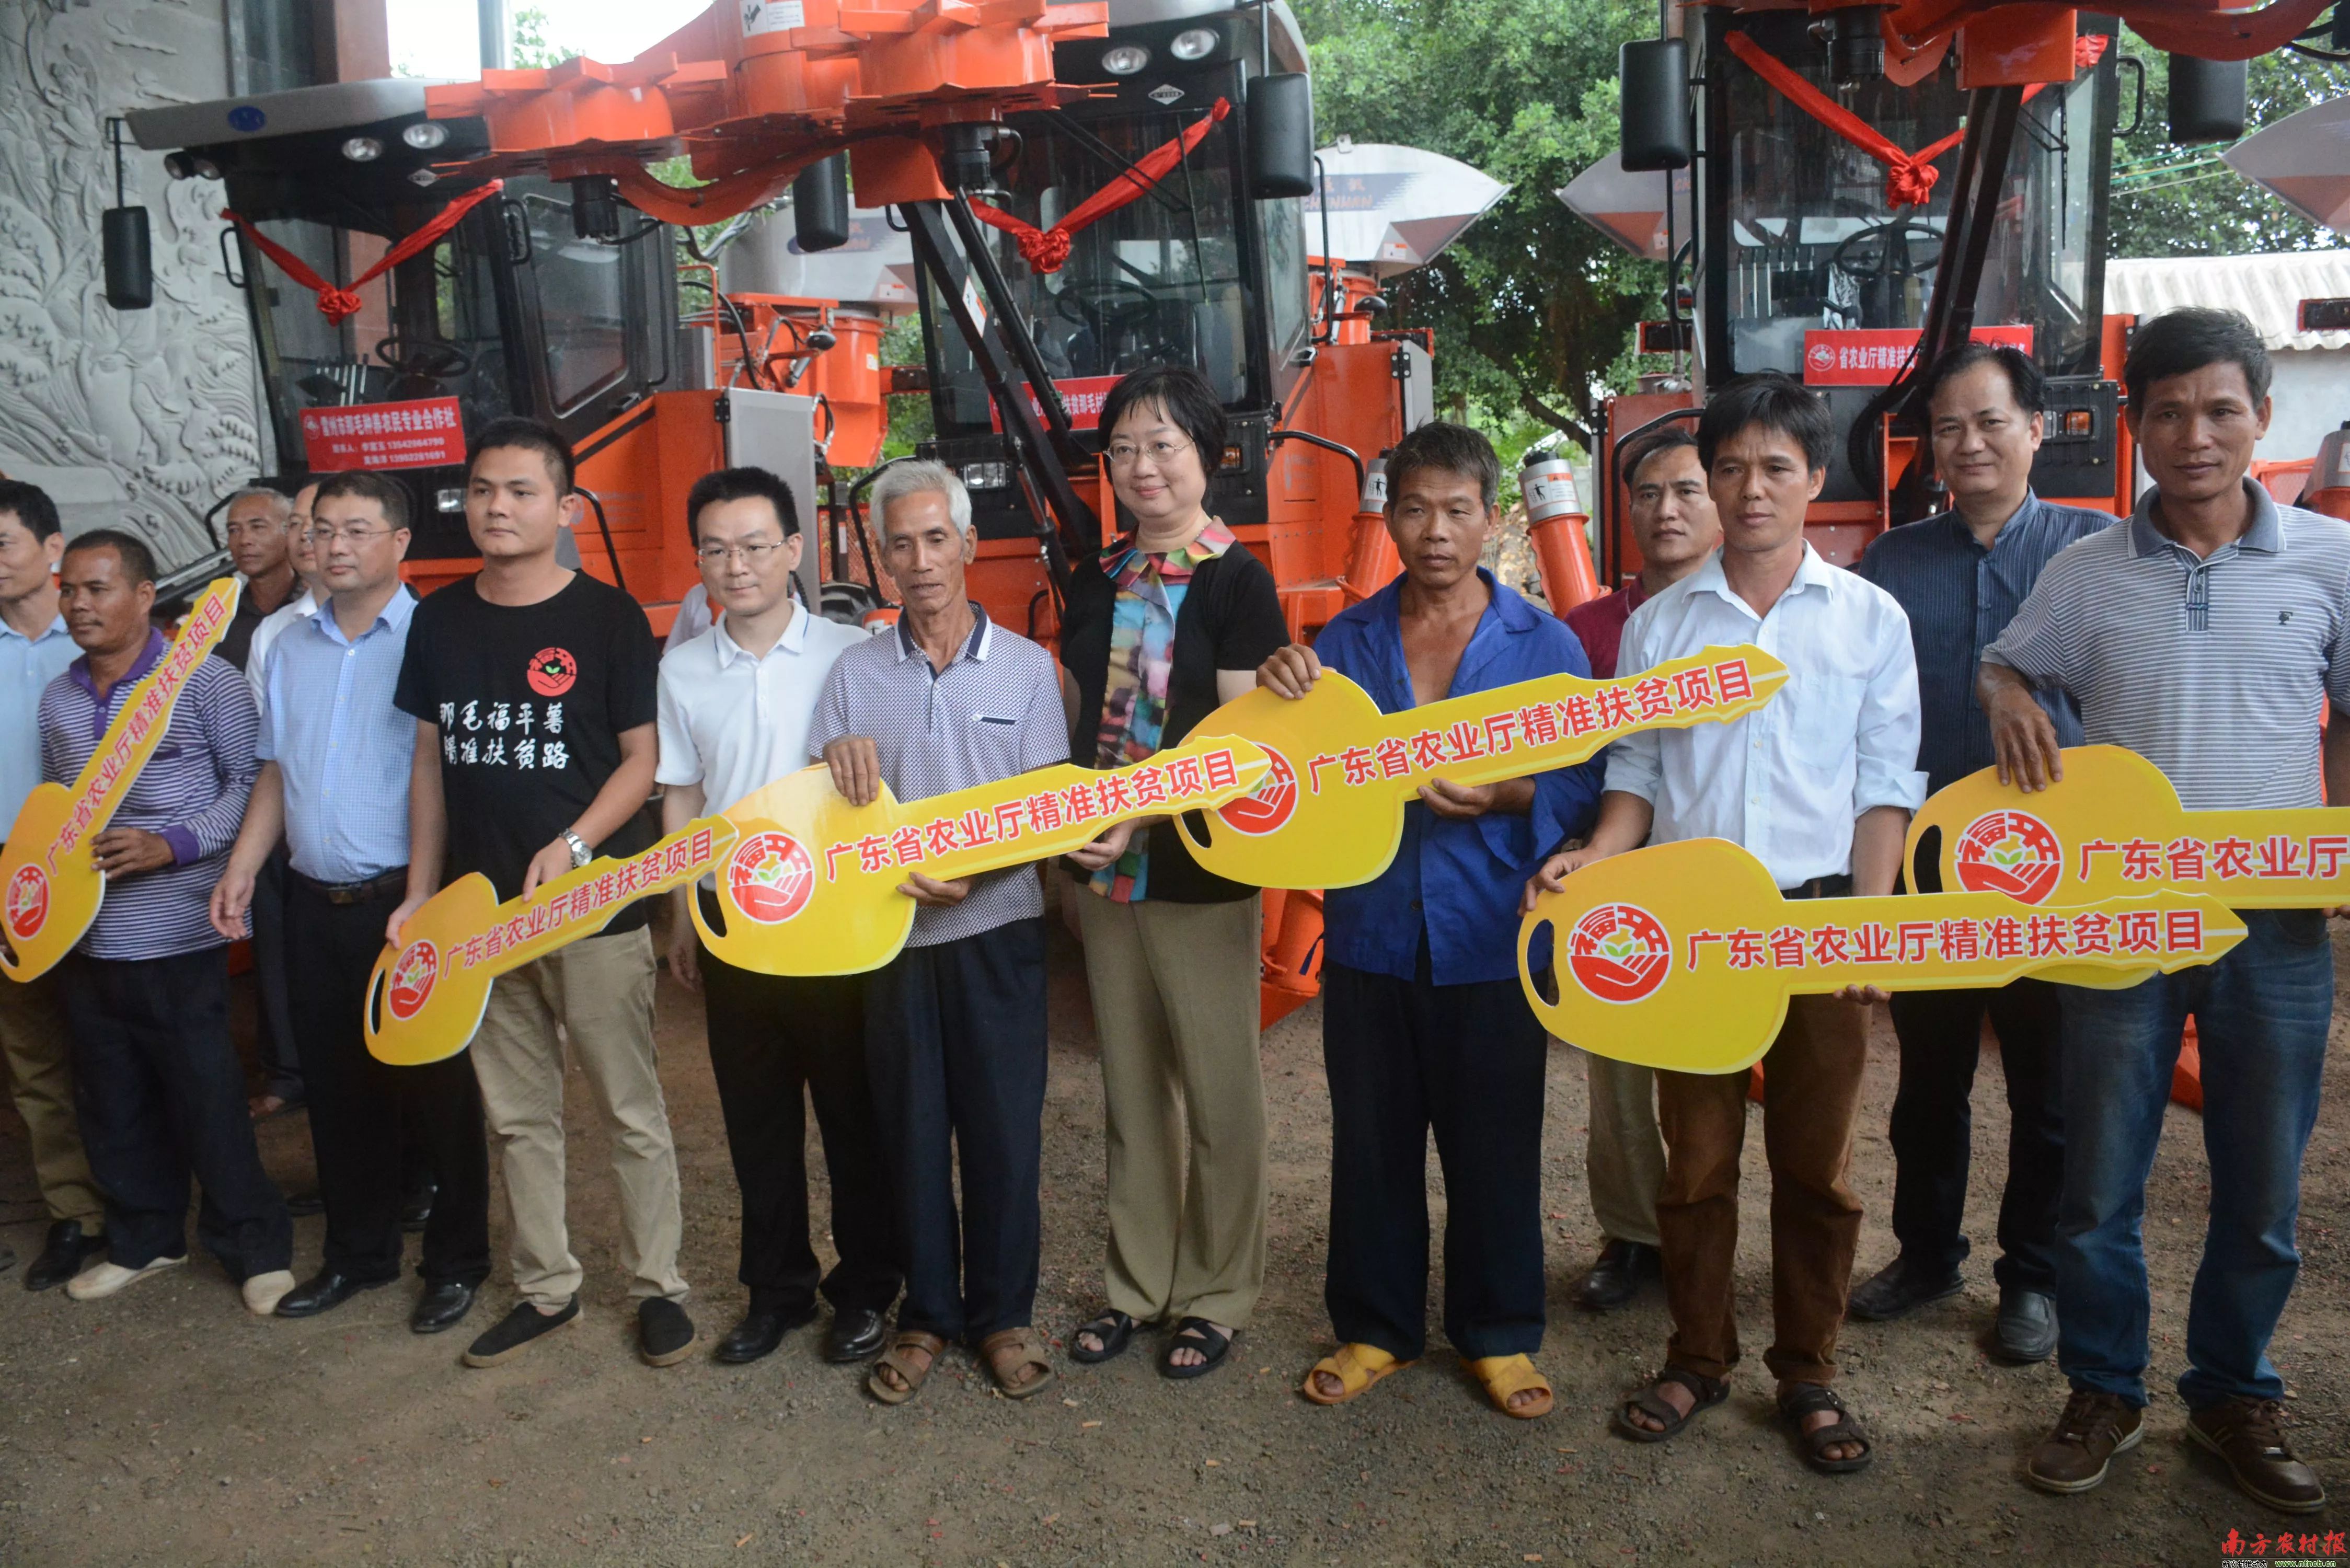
x=426 y=997
x=811 y=887
x=1330 y=814
x=1683 y=955
x=50 y=887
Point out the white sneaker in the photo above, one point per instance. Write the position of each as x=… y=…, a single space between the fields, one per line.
x=264 y=1292
x=102 y=1278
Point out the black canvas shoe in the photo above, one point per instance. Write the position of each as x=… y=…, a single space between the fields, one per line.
x=517 y=1331
x=664 y=1334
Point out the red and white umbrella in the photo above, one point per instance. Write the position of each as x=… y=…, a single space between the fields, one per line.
x=2304 y=161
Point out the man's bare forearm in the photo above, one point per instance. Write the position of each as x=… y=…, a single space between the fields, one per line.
x=428 y=816
x=1877 y=840
x=264 y=821
x=1624 y=819
x=625 y=790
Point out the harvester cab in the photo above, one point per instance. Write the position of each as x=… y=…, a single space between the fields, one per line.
x=1857 y=188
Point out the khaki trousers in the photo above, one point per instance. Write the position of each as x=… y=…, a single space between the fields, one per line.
x=1811 y=1089
x=601 y=991
x=1623 y=1154
x=1175 y=1006
x=33 y=1038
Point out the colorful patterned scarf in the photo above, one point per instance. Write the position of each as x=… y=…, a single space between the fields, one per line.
x=1150 y=590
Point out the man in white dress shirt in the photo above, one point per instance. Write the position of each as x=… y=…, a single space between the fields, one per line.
x=1819 y=785
x=735 y=706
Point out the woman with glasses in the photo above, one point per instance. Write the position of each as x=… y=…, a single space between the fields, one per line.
x=1167 y=623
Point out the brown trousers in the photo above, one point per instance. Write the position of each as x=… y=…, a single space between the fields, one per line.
x=33 y=1042
x=1811 y=1078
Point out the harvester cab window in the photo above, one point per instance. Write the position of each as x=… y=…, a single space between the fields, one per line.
x=1158 y=281
x=1811 y=241
x=582 y=287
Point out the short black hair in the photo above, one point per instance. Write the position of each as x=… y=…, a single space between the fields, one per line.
x=741 y=485
x=361 y=485
x=530 y=435
x=1775 y=401
x=32 y=505
x=2024 y=378
x=1456 y=449
x=1190 y=403
x=1656 y=444
x=2180 y=341
x=137 y=558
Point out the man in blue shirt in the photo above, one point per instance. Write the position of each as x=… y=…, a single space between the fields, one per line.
x=1423 y=1023
x=336 y=759
x=1960 y=576
x=35 y=648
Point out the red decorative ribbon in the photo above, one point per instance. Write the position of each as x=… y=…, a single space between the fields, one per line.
x=1045 y=249
x=334 y=303
x=1908 y=176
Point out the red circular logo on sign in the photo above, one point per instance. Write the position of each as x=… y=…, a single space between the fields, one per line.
x=28 y=902
x=1269 y=806
x=2009 y=852
x=771 y=878
x=411 y=979
x=552 y=672
x=1823 y=357
x=1618 y=953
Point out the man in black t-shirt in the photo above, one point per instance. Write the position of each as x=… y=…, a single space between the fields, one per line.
x=533 y=688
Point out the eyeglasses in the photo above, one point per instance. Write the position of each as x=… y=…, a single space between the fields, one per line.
x=323 y=535
x=753 y=555
x=1122 y=454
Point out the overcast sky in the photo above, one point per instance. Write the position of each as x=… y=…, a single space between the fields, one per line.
x=441 y=38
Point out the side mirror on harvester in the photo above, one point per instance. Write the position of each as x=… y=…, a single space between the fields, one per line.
x=1281 y=136
x=821 y=220
x=1653 y=119
x=2207 y=99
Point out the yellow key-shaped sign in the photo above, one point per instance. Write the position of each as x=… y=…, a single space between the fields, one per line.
x=1330 y=812
x=811 y=886
x=426 y=997
x=1683 y=955
x=50 y=887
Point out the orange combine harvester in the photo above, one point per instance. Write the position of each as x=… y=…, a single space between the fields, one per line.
x=1072 y=200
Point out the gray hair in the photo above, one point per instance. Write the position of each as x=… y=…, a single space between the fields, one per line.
x=281 y=505
x=916 y=477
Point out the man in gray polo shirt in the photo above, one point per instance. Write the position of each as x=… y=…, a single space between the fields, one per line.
x=954 y=1027
x=2205 y=633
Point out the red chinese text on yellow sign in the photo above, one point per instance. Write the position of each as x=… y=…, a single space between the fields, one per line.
x=2114 y=825
x=1683 y=955
x=426 y=997
x=50 y=887
x=1330 y=812
x=812 y=887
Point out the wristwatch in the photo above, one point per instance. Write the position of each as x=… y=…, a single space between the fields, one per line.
x=580 y=852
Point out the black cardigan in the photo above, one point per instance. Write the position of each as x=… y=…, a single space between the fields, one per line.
x=1230 y=619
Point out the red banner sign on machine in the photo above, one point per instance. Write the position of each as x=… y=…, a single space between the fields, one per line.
x=427 y=432
x=1872 y=357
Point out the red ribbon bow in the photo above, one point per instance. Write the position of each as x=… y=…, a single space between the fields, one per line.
x=337 y=303
x=1045 y=249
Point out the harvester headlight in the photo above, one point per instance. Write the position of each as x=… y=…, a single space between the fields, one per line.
x=362 y=150
x=1125 y=59
x=425 y=135
x=1193 y=44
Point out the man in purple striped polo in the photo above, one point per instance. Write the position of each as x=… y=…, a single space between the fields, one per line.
x=156 y=1077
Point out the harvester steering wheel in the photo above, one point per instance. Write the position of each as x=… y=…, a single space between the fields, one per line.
x=433 y=359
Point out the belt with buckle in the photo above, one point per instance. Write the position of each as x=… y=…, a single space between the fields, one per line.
x=1836 y=886
x=393 y=882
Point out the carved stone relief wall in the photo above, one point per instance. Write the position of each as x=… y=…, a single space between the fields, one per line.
x=137 y=418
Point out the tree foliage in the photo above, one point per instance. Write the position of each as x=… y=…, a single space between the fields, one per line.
x=1532 y=308
x=2174 y=201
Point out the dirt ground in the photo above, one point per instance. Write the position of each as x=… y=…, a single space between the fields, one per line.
x=166 y=1427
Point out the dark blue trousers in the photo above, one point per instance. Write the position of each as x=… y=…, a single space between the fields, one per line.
x=1404 y=1056
x=162 y=1098
x=954 y=1041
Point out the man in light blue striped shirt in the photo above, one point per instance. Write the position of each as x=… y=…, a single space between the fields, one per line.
x=2207 y=633
x=157 y=1081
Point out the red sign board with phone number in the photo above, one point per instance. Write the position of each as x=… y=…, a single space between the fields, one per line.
x=1872 y=357
x=427 y=432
